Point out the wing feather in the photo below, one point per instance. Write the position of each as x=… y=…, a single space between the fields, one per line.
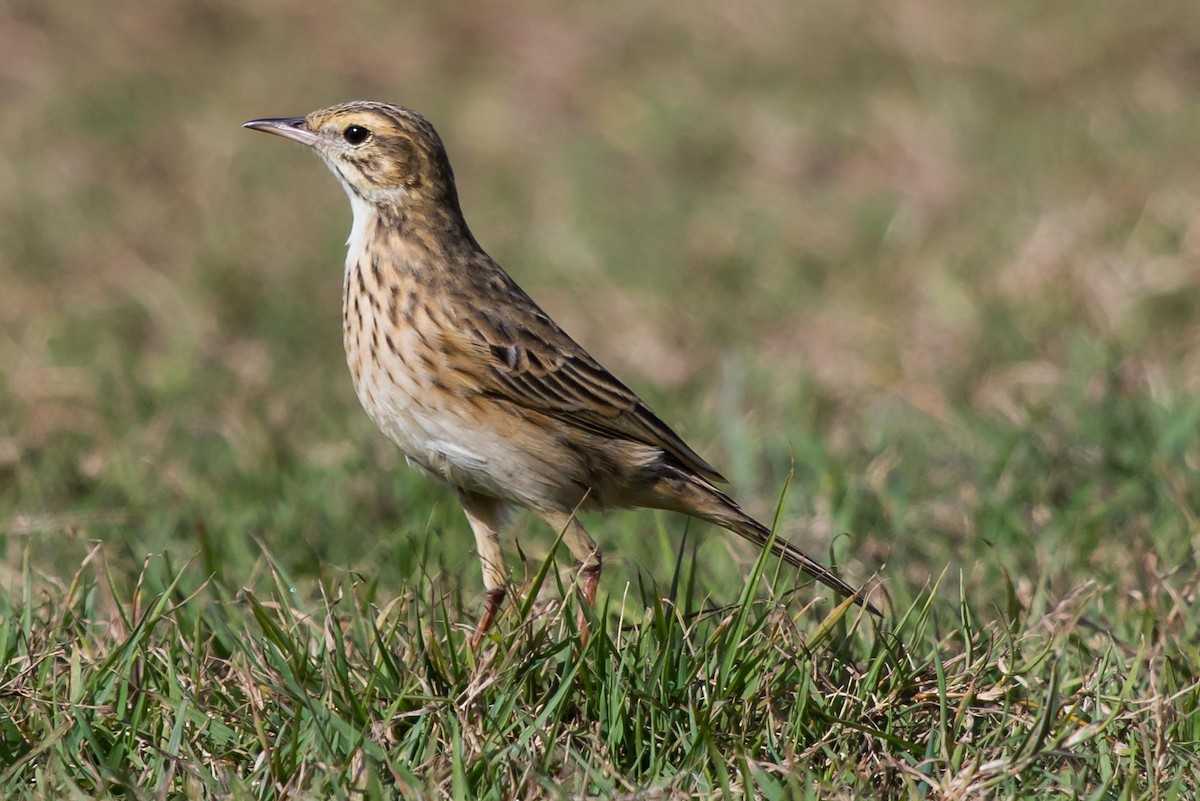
x=520 y=355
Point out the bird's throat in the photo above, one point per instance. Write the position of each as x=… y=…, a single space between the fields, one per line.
x=361 y=229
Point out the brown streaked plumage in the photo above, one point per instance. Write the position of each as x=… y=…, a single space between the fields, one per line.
x=474 y=382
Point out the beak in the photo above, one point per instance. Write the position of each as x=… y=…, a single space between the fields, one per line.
x=288 y=127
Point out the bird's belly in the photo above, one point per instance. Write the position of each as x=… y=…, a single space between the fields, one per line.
x=446 y=437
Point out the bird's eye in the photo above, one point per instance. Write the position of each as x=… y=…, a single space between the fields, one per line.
x=355 y=134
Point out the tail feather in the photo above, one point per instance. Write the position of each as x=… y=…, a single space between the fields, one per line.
x=759 y=534
x=683 y=492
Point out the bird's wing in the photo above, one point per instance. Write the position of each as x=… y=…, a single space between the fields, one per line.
x=514 y=351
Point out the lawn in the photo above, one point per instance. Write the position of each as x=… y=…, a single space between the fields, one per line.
x=921 y=277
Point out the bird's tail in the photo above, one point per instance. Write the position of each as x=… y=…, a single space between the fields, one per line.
x=682 y=492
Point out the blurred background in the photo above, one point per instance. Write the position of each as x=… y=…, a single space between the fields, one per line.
x=941 y=259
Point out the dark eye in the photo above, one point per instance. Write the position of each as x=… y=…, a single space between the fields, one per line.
x=355 y=134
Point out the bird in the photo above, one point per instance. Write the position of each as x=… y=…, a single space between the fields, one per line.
x=474 y=382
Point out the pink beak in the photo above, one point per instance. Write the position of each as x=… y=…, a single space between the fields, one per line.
x=288 y=127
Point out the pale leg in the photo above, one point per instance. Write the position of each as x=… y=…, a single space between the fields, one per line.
x=486 y=516
x=586 y=551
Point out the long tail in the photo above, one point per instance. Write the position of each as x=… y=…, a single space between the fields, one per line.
x=683 y=492
x=756 y=532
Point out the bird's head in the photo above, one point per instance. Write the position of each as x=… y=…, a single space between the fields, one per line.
x=386 y=156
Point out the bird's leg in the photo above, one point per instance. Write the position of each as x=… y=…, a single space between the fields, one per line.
x=494 y=599
x=591 y=580
x=590 y=573
x=584 y=549
x=486 y=516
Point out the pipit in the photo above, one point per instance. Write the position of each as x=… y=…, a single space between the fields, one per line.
x=474 y=382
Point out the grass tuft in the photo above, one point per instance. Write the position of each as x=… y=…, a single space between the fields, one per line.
x=280 y=693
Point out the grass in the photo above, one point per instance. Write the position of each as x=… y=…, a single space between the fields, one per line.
x=930 y=268
x=209 y=692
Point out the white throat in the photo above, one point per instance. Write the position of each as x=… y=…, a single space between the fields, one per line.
x=356 y=243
